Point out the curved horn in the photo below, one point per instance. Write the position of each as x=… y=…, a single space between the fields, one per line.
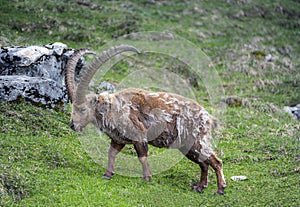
x=92 y=68
x=70 y=71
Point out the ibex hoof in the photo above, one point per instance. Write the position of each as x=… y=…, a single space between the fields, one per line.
x=198 y=188
x=108 y=175
x=220 y=191
x=147 y=177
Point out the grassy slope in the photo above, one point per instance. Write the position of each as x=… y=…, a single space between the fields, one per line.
x=43 y=163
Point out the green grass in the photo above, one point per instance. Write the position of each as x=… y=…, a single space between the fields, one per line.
x=43 y=162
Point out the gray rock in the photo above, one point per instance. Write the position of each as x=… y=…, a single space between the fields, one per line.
x=35 y=61
x=106 y=87
x=35 y=73
x=293 y=110
x=58 y=48
x=38 y=90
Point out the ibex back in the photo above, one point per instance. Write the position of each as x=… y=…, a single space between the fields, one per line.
x=139 y=117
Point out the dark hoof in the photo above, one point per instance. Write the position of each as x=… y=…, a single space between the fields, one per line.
x=108 y=175
x=220 y=193
x=221 y=189
x=198 y=188
x=147 y=178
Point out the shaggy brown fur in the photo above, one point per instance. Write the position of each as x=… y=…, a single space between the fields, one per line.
x=140 y=117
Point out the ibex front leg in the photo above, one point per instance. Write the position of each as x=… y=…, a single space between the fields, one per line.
x=142 y=151
x=114 y=149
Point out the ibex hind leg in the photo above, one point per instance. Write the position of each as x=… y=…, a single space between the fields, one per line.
x=216 y=164
x=194 y=154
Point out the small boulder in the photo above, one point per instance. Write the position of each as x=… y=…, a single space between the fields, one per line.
x=293 y=110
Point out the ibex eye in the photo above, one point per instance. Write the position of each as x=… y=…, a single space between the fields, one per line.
x=83 y=110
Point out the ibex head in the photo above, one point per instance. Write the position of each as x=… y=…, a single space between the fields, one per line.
x=83 y=106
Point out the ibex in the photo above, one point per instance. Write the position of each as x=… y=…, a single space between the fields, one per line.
x=139 y=117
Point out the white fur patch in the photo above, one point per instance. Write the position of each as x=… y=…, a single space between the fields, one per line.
x=154 y=94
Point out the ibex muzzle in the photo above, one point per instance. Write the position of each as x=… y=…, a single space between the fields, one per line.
x=139 y=117
x=72 y=126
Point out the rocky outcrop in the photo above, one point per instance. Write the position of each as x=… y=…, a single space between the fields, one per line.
x=35 y=73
